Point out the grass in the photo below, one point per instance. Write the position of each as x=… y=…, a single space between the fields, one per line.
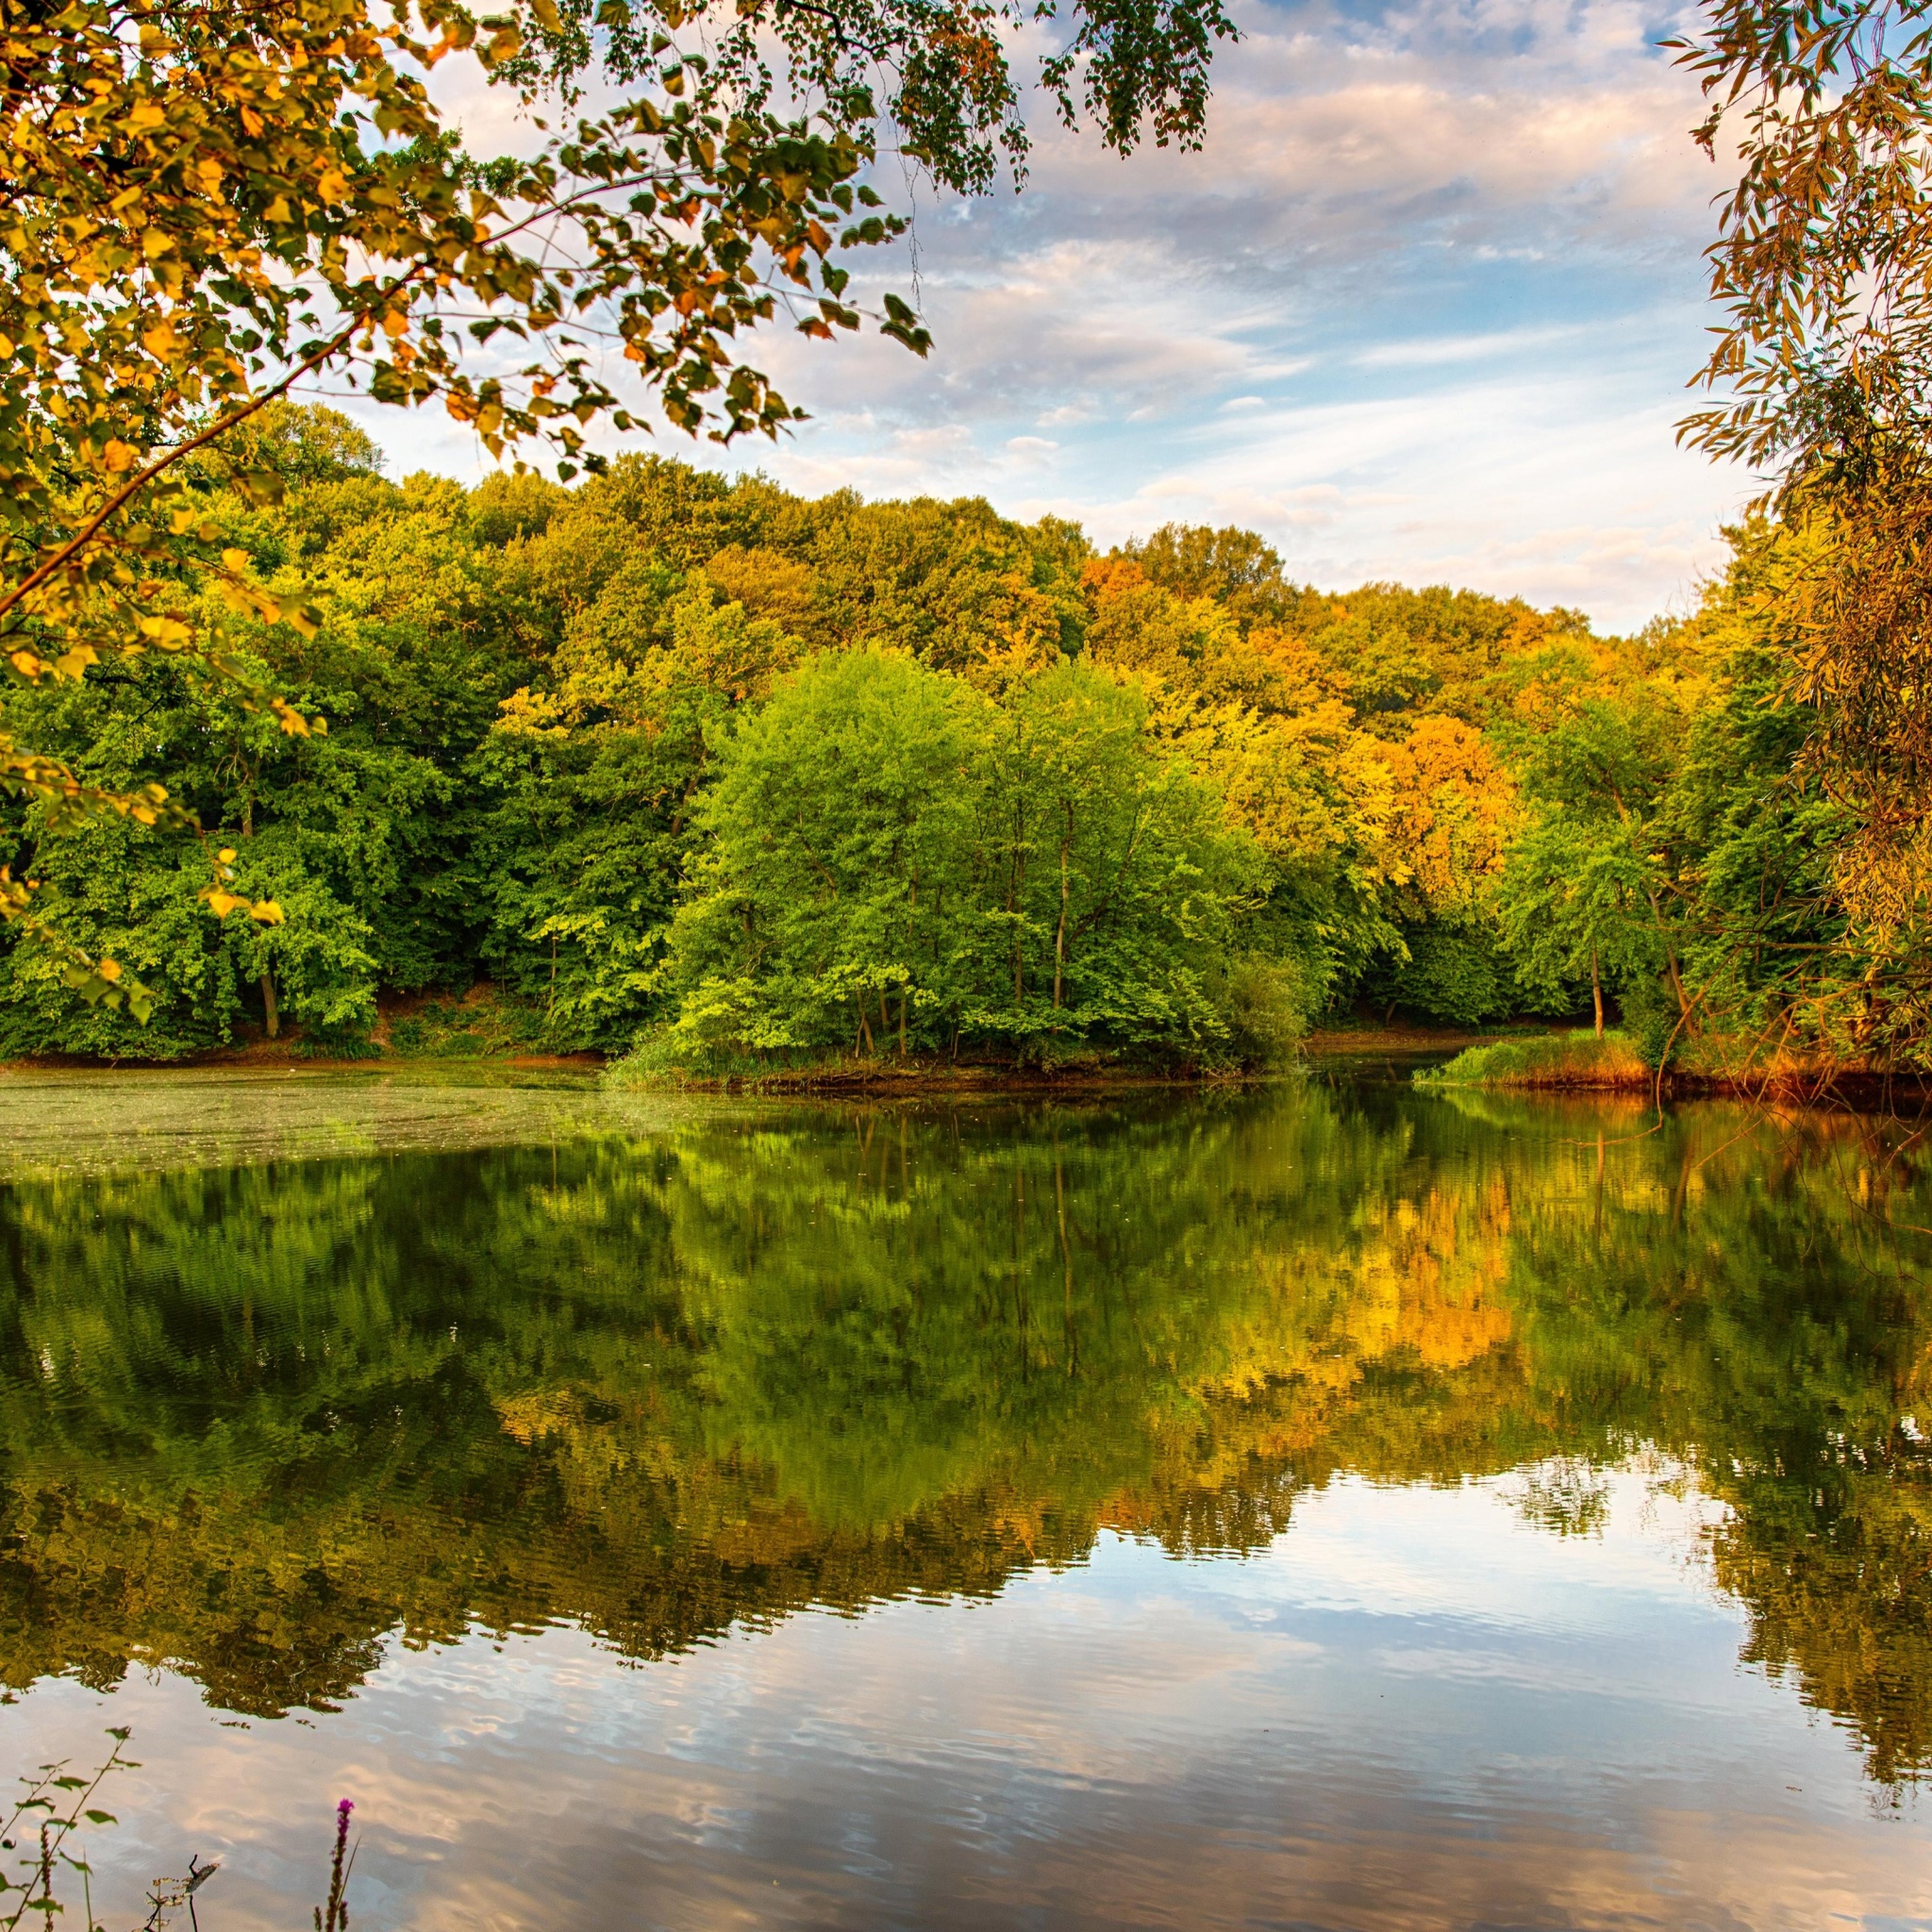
x=1579 y=1060
x=480 y=1025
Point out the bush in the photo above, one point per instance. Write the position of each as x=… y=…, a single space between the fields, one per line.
x=1454 y=975
x=1652 y=1020
x=1263 y=1004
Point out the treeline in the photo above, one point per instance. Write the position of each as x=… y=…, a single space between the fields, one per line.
x=729 y=777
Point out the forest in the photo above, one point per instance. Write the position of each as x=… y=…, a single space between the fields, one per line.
x=701 y=776
x=707 y=774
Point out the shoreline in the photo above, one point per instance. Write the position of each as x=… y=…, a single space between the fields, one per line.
x=910 y=1077
x=1581 y=1062
x=1523 y=1061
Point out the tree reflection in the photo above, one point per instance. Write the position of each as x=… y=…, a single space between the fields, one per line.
x=255 y=1420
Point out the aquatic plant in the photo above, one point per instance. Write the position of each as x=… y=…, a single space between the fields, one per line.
x=54 y=1807
x=56 y=1804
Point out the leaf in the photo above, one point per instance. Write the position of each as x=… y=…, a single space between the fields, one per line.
x=300 y=615
x=264 y=488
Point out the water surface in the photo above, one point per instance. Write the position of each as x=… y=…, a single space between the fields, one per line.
x=1329 y=1507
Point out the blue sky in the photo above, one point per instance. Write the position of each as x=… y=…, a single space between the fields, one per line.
x=1423 y=309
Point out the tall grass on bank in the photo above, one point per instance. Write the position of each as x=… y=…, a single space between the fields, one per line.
x=1576 y=1060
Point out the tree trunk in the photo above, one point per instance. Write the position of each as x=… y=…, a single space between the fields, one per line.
x=1059 y=938
x=905 y=994
x=1015 y=878
x=1013 y=907
x=270 y=1010
x=1596 y=993
x=1657 y=914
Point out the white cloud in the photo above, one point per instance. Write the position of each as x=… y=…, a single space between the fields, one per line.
x=1423 y=308
x=1432 y=352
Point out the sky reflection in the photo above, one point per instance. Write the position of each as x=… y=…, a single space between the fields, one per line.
x=1413 y=1709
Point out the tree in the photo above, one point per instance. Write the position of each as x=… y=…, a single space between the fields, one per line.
x=893 y=862
x=1112 y=873
x=203 y=207
x=837 y=884
x=1573 y=906
x=1596 y=757
x=1822 y=374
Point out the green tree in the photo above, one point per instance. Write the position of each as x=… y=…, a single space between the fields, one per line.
x=1114 y=884
x=837 y=886
x=207 y=209
x=1602 y=874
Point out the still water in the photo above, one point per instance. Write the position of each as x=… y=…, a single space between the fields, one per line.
x=1340 y=1506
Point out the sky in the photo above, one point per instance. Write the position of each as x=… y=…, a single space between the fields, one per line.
x=1423 y=309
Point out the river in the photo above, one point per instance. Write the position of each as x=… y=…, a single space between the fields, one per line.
x=1335 y=1505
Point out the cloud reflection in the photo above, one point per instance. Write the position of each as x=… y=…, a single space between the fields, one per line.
x=1123 y=1743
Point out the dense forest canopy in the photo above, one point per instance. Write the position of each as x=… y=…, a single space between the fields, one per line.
x=703 y=769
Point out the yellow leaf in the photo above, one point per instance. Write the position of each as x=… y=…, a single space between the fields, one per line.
x=331 y=188
x=294 y=612
x=222 y=904
x=6 y=349
x=109 y=970
x=72 y=663
x=235 y=560
x=25 y=664
x=117 y=457
x=155 y=243
x=159 y=340
x=267 y=911
x=226 y=855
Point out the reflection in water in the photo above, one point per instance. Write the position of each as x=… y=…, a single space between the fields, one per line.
x=656 y=1379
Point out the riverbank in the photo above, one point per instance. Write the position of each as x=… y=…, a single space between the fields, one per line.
x=1575 y=1062
x=1580 y=1062
x=484 y=1030
x=481 y=1027
x=483 y=1033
